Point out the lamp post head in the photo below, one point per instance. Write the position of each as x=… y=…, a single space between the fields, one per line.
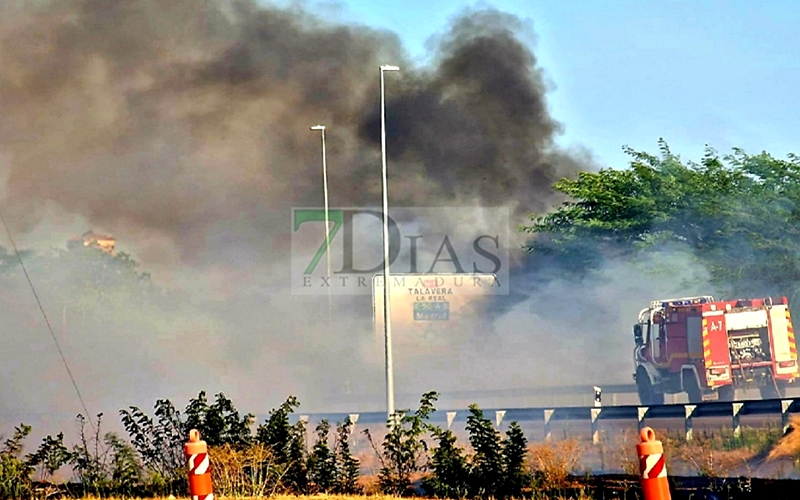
x=389 y=68
x=318 y=127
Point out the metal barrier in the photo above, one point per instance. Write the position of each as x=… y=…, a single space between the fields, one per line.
x=474 y=395
x=595 y=415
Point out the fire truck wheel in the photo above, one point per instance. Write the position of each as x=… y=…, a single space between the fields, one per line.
x=647 y=395
x=693 y=391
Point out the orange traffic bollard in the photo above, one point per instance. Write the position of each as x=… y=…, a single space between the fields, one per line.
x=655 y=485
x=199 y=467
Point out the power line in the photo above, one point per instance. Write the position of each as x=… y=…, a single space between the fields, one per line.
x=46 y=320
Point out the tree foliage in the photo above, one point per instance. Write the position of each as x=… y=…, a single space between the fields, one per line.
x=347 y=466
x=404 y=446
x=333 y=471
x=81 y=272
x=515 y=449
x=486 y=472
x=220 y=422
x=51 y=455
x=159 y=443
x=15 y=472
x=322 y=461
x=449 y=467
x=286 y=443
x=739 y=214
x=273 y=459
x=296 y=477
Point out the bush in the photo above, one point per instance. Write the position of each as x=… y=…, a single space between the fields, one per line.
x=496 y=469
x=244 y=471
x=274 y=459
x=283 y=441
x=15 y=473
x=403 y=447
x=218 y=423
x=347 y=467
x=159 y=444
x=552 y=463
x=449 y=468
x=322 y=461
x=486 y=473
x=516 y=478
x=50 y=456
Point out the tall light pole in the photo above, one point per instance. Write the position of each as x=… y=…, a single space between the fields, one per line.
x=387 y=328
x=321 y=128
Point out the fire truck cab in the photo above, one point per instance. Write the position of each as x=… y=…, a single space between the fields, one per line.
x=709 y=349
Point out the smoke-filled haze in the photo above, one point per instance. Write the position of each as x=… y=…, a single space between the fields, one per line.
x=182 y=128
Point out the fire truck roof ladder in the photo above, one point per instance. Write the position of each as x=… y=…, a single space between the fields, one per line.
x=685 y=301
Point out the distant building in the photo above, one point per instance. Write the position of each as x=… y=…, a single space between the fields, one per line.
x=101 y=242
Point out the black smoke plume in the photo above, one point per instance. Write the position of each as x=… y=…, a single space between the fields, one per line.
x=182 y=128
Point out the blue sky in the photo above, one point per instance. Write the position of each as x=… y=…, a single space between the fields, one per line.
x=723 y=73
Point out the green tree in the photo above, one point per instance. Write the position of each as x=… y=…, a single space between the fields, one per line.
x=280 y=437
x=403 y=446
x=515 y=449
x=348 y=468
x=487 y=471
x=89 y=460
x=739 y=214
x=15 y=473
x=296 y=477
x=449 y=476
x=322 y=461
x=159 y=444
x=219 y=423
x=50 y=456
x=124 y=467
x=276 y=432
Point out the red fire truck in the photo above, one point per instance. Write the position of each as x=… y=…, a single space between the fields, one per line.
x=709 y=349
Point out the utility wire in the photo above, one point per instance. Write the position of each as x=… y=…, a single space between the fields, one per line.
x=46 y=320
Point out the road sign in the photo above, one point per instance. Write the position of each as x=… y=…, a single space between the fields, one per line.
x=429 y=309
x=432 y=311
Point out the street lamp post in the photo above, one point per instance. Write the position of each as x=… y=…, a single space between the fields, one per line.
x=321 y=128
x=387 y=329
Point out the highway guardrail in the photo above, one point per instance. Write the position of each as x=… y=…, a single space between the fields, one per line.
x=597 y=414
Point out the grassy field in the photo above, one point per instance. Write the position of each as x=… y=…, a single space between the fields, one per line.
x=321 y=497
x=276 y=497
x=568 y=468
x=707 y=462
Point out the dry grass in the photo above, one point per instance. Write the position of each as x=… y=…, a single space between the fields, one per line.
x=370 y=464
x=708 y=462
x=320 y=497
x=713 y=454
x=369 y=485
x=553 y=462
x=789 y=444
x=241 y=472
x=276 y=497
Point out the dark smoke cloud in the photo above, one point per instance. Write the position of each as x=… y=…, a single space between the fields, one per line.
x=182 y=127
x=169 y=118
x=479 y=126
